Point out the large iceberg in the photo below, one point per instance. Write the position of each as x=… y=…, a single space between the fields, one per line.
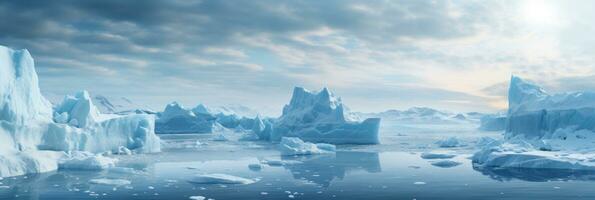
x=543 y=130
x=322 y=117
x=533 y=113
x=31 y=131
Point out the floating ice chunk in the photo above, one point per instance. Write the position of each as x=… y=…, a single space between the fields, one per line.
x=436 y=155
x=322 y=117
x=78 y=160
x=445 y=163
x=519 y=154
x=197 y=198
x=419 y=183
x=109 y=181
x=449 y=142
x=295 y=146
x=219 y=179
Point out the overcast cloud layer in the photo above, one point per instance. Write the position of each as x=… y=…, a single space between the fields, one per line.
x=377 y=55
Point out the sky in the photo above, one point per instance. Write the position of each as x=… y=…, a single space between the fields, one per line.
x=375 y=54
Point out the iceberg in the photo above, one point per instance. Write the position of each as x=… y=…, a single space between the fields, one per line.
x=321 y=117
x=175 y=119
x=34 y=135
x=543 y=131
x=295 y=146
x=533 y=113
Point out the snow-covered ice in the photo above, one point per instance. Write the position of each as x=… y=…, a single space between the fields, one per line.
x=295 y=146
x=322 y=117
x=220 y=179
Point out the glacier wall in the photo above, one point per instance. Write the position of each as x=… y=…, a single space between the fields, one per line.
x=533 y=113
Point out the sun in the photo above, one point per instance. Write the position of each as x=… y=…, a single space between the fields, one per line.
x=539 y=12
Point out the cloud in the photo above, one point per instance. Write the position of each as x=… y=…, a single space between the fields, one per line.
x=440 y=53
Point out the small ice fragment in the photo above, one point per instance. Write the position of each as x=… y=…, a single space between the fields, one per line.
x=197 y=198
x=419 y=183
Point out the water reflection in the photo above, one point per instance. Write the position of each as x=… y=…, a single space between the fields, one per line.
x=323 y=169
x=536 y=175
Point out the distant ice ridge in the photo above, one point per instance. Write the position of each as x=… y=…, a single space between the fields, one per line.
x=543 y=130
x=28 y=123
x=425 y=115
x=321 y=117
x=175 y=119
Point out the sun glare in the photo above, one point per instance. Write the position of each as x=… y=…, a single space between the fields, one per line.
x=539 y=12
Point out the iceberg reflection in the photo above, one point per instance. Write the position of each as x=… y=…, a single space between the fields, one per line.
x=323 y=169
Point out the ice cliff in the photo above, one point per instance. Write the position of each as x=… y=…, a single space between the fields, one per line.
x=553 y=131
x=533 y=113
x=31 y=131
x=322 y=117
